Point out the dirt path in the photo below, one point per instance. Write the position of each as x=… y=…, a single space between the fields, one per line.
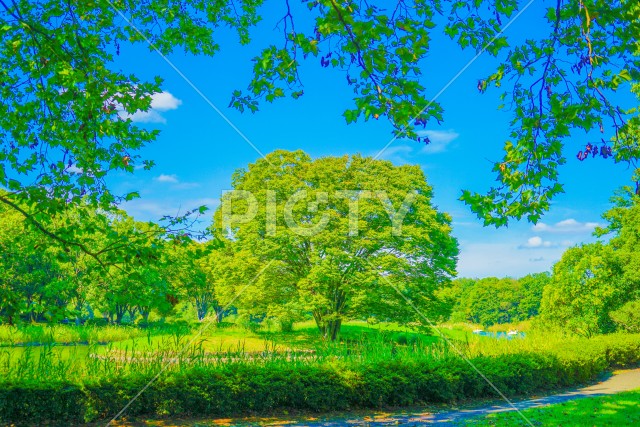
x=618 y=382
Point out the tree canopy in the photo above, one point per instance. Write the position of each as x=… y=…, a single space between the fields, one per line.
x=337 y=237
x=65 y=127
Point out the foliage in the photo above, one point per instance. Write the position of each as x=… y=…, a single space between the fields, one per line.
x=627 y=317
x=65 y=121
x=193 y=270
x=585 y=286
x=557 y=84
x=65 y=125
x=31 y=282
x=624 y=230
x=532 y=289
x=42 y=282
x=490 y=300
x=339 y=237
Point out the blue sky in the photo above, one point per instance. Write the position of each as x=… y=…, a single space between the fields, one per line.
x=197 y=150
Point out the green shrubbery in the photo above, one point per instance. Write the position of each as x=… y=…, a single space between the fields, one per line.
x=331 y=384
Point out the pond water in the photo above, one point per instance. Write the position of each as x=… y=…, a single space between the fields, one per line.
x=502 y=335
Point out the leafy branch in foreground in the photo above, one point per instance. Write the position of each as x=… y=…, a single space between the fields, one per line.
x=65 y=111
x=65 y=107
x=559 y=84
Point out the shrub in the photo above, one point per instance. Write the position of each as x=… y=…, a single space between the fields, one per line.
x=237 y=388
x=35 y=403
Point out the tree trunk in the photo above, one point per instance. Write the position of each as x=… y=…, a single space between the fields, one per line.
x=78 y=307
x=219 y=313
x=120 y=311
x=202 y=307
x=132 y=313
x=328 y=328
x=322 y=327
x=334 y=328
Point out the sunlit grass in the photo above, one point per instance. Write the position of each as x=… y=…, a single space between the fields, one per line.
x=67 y=334
x=138 y=350
x=148 y=350
x=616 y=410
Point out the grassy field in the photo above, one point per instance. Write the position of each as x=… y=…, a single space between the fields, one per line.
x=616 y=410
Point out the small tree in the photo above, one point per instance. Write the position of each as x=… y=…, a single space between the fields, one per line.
x=193 y=270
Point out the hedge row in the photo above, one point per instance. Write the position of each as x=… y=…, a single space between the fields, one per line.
x=244 y=388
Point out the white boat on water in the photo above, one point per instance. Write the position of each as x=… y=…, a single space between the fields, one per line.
x=513 y=332
x=477 y=331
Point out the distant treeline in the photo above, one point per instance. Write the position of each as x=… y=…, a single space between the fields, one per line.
x=491 y=300
x=593 y=289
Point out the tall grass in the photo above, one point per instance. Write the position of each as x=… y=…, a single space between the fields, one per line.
x=65 y=334
x=136 y=351
x=149 y=355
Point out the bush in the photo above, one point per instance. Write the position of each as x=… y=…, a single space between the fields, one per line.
x=97 y=321
x=220 y=390
x=35 y=403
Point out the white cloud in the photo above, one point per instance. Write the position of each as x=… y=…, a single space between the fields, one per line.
x=150 y=116
x=439 y=140
x=160 y=102
x=536 y=242
x=172 y=179
x=402 y=154
x=175 y=182
x=569 y=225
x=165 y=101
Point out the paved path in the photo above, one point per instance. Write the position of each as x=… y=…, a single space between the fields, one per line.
x=618 y=382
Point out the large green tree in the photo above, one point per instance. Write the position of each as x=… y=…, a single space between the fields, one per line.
x=64 y=104
x=338 y=237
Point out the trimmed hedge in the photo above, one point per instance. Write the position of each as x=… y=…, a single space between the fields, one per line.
x=236 y=389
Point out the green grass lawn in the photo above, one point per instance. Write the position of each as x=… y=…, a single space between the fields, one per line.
x=621 y=409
